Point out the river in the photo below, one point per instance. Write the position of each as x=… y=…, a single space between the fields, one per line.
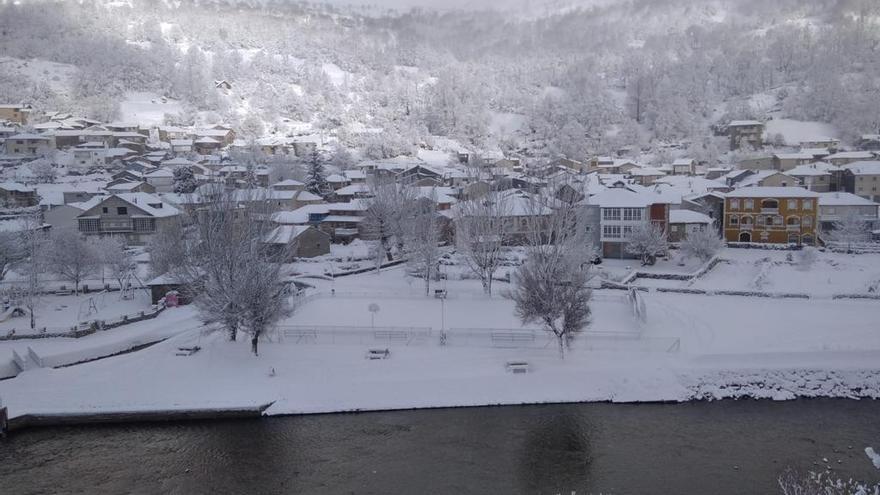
x=726 y=447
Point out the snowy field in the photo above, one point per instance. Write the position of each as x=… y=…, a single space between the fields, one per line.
x=723 y=340
x=147 y=109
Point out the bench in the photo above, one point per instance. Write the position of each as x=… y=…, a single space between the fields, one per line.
x=512 y=338
x=63 y=292
x=187 y=351
x=378 y=354
x=391 y=335
x=517 y=367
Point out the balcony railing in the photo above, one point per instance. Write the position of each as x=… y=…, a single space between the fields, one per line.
x=770 y=211
x=745 y=226
x=793 y=228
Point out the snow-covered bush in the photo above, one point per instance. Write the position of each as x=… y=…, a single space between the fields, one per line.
x=702 y=244
x=807 y=257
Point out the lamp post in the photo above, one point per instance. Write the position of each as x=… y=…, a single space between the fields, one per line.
x=373 y=308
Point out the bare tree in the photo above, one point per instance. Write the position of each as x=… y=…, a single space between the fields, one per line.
x=481 y=234
x=385 y=220
x=551 y=286
x=34 y=245
x=422 y=240
x=11 y=252
x=71 y=257
x=167 y=248
x=702 y=244
x=647 y=242
x=849 y=230
x=115 y=257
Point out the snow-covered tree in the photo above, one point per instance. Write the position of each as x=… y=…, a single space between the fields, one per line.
x=647 y=241
x=167 y=249
x=806 y=257
x=481 y=230
x=850 y=229
x=235 y=282
x=11 y=252
x=184 y=180
x=71 y=257
x=702 y=244
x=550 y=287
x=316 y=179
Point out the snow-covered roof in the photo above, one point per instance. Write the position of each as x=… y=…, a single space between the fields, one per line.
x=681 y=162
x=743 y=123
x=336 y=178
x=647 y=172
x=285 y=234
x=843 y=199
x=757 y=177
x=852 y=155
x=688 y=216
x=28 y=137
x=159 y=172
x=812 y=169
x=864 y=167
x=288 y=183
x=353 y=190
x=150 y=204
x=771 y=192
x=15 y=186
x=621 y=197
x=124 y=186
x=794 y=156
x=355 y=174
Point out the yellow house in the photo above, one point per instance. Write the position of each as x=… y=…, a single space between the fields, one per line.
x=17 y=114
x=773 y=215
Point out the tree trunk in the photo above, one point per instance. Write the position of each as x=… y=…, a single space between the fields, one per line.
x=232 y=333
x=560 y=339
x=254 y=341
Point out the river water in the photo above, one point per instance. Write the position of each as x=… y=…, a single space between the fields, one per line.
x=727 y=447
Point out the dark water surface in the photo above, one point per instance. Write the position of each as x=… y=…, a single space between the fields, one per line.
x=586 y=448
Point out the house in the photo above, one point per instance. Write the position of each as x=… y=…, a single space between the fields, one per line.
x=79 y=195
x=288 y=185
x=206 y=145
x=683 y=222
x=28 y=144
x=304 y=148
x=774 y=215
x=863 y=179
x=420 y=175
x=684 y=166
x=623 y=209
x=16 y=195
x=645 y=175
x=17 y=114
x=354 y=191
x=787 y=161
x=129 y=187
x=847 y=157
x=744 y=133
x=815 y=176
x=821 y=142
x=336 y=181
x=134 y=216
x=163 y=284
x=834 y=206
x=223 y=135
x=869 y=142
x=769 y=178
x=162 y=179
x=298 y=241
x=182 y=145
x=710 y=204
x=760 y=162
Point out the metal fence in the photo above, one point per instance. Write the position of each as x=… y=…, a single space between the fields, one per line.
x=509 y=338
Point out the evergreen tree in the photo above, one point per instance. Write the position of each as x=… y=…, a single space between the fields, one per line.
x=316 y=182
x=184 y=180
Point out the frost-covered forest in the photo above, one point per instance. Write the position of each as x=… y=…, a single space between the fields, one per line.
x=575 y=83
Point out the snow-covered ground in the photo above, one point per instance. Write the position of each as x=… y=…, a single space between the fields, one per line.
x=728 y=347
x=57 y=76
x=59 y=313
x=796 y=131
x=147 y=109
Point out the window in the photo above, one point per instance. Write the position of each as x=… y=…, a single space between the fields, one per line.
x=734 y=204
x=627 y=231
x=734 y=220
x=144 y=224
x=674 y=228
x=760 y=220
x=89 y=225
x=104 y=210
x=122 y=210
x=632 y=214
x=611 y=231
x=808 y=204
x=792 y=204
x=611 y=214
x=749 y=204
x=808 y=222
x=770 y=204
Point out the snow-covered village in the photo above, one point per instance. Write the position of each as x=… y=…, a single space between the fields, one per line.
x=411 y=246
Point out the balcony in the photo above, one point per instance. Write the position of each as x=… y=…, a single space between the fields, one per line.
x=746 y=227
x=793 y=228
x=770 y=211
